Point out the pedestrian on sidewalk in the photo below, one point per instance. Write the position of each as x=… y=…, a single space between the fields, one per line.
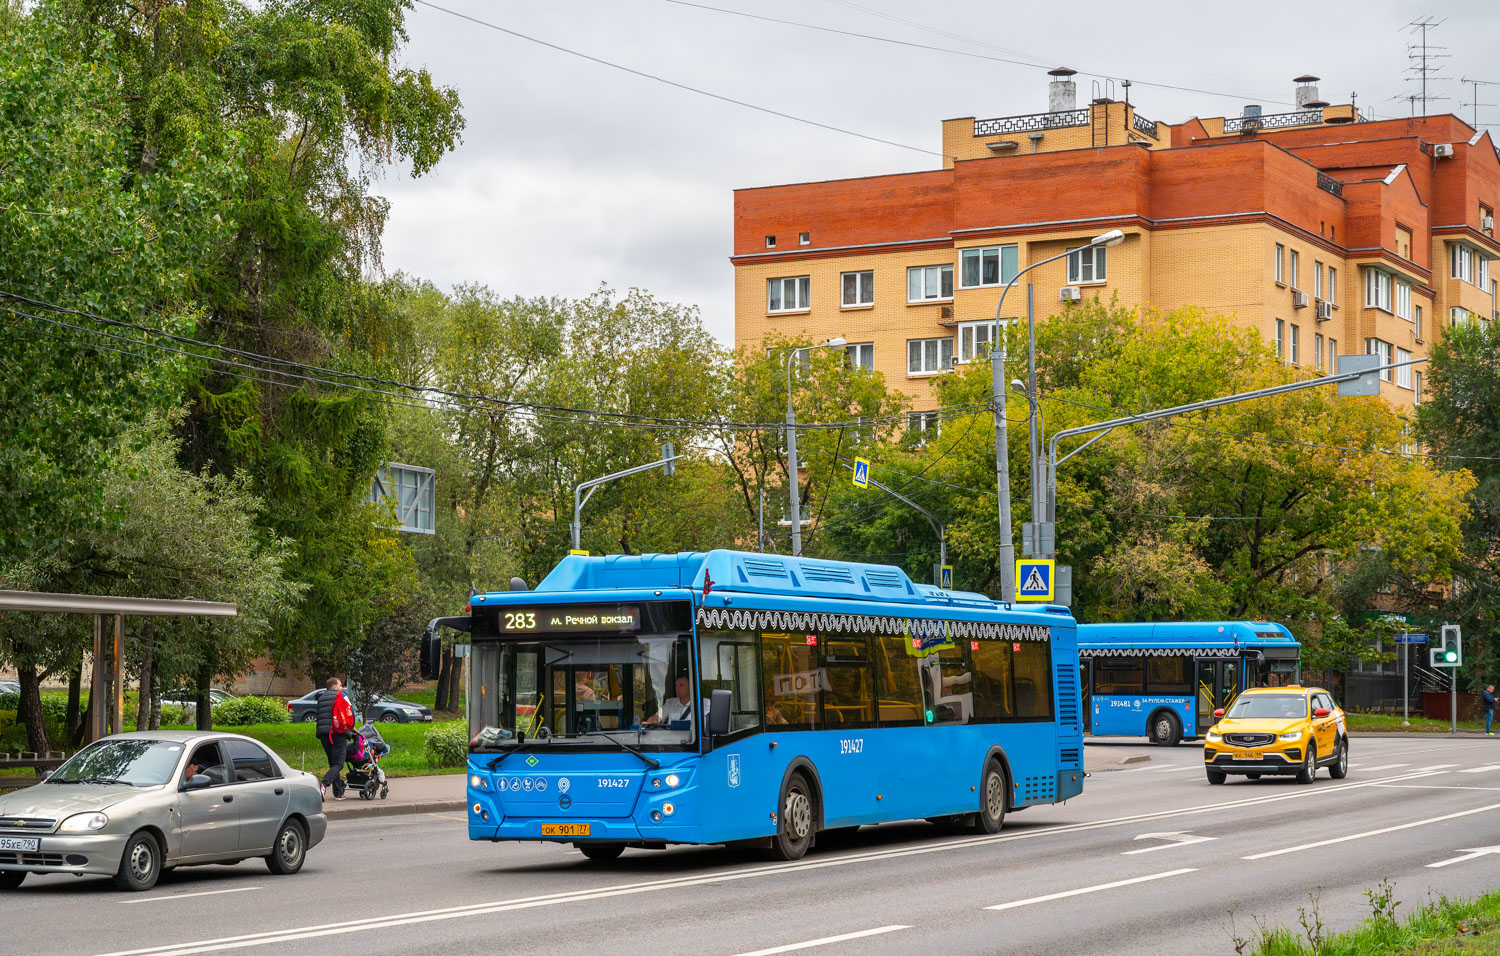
x=335 y=722
x=1487 y=704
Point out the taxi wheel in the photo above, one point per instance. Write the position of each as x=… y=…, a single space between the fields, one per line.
x=1309 y=765
x=1216 y=776
x=1340 y=768
x=10 y=879
x=601 y=852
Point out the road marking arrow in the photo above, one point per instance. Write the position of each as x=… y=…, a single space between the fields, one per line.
x=1470 y=853
x=1175 y=838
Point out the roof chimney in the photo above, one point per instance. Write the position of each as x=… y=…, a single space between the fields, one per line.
x=1307 y=92
x=1251 y=111
x=1062 y=92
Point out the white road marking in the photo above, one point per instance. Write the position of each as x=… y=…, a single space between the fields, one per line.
x=1385 y=766
x=1470 y=853
x=1177 y=769
x=1370 y=833
x=1435 y=786
x=1493 y=766
x=790 y=947
x=1174 y=838
x=1090 y=889
x=184 y=896
x=271 y=937
x=1436 y=766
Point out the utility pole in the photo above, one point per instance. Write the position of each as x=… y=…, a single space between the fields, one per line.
x=791 y=444
x=1002 y=463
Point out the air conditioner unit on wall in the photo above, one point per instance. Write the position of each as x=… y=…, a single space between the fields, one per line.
x=1325 y=310
x=1069 y=293
x=1299 y=300
x=1487 y=223
x=1442 y=150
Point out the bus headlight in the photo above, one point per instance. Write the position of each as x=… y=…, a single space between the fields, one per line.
x=478 y=782
x=673 y=780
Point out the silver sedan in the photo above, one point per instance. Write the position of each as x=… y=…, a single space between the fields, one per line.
x=134 y=805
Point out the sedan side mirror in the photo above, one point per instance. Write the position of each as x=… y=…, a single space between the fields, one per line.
x=198 y=781
x=46 y=774
x=1321 y=712
x=1219 y=712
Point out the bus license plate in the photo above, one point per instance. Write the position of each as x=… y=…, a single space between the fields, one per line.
x=565 y=829
x=13 y=843
x=1247 y=756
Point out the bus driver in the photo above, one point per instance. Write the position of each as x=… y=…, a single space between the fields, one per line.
x=675 y=708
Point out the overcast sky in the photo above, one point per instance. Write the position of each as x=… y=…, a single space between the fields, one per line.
x=572 y=173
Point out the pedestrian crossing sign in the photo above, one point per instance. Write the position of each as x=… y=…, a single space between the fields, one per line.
x=861 y=473
x=1034 y=578
x=945 y=577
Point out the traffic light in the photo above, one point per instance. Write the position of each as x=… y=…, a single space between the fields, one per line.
x=1450 y=653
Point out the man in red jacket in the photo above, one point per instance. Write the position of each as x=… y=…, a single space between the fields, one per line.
x=335 y=721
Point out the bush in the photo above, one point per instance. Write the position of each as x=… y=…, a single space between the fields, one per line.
x=447 y=745
x=249 y=710
x=10 y=701
x=175 y=715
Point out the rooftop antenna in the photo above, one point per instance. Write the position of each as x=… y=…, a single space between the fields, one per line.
x=1474 y=99
x=1422 y=54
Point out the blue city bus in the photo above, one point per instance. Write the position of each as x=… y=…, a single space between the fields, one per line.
x=1164 y=681
x=834 y=694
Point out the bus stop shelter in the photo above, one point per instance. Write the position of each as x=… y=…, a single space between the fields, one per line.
x=107 y=683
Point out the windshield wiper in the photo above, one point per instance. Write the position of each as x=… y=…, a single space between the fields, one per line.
x=108 y=781
x=650 y=762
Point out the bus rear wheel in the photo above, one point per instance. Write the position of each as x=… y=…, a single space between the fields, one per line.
x=992 y=796
x=794 y=821
x=601 y=852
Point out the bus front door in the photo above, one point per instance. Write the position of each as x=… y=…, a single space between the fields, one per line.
x=1218 y=686
x=1085 y=692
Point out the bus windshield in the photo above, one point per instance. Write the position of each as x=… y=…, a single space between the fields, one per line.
x=594 y=691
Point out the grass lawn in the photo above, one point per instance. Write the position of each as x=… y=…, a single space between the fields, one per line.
x=1441 y=927
x=1391 y=723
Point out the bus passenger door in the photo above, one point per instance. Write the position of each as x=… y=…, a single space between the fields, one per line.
x=1086 y=693
x=1218 y=686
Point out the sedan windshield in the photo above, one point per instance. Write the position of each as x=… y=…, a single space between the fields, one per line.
x=139 y=763
x=1270 y=706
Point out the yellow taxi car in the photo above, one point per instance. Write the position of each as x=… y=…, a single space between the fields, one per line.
x=1278 y=730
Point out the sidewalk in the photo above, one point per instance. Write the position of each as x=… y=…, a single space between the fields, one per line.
x=434 y=794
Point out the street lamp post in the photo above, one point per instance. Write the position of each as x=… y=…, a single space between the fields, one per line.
x=791 y=443
x=1002 y=472
x=666 y=464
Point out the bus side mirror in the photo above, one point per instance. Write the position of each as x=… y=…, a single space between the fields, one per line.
x=718 y=713
x=1219 y=712
x=432 y=655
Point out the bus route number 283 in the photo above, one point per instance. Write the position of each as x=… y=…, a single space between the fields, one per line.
x=520 y=621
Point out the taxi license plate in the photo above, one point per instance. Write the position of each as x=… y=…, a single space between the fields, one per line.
x=565 y=829
x=16 y=843
x=1247 y=756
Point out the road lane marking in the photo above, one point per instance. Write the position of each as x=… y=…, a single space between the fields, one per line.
x=1177 y=769
x=1370 y=833
x=790 y=947
x=184 y=896
x=1385 y=766
x=1435 y=786
x=1090 y=889
x=1173 y=838
x=1493 y=766
x=1437 y=766
x=1470 y=853
x=270 y=937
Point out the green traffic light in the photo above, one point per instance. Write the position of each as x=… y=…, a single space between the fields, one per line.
x=1450 y=655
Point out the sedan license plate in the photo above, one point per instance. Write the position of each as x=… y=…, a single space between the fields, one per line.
x=565 y=829
x=18 y=843
x=1247 y=756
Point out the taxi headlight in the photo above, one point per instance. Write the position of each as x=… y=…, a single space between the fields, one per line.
x=478 y=782
x=1294 y=735
x=1212 y=737
x=83 y=823
x=673 y=780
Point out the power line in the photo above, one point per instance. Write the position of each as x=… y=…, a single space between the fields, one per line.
x=674 y=83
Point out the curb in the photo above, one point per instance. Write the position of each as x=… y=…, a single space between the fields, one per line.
x=1135 y=758
x=367 y=809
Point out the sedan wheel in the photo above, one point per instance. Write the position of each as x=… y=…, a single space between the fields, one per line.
x=140 y=866
x=311 y=717
x=389 y=718
x=289 y=851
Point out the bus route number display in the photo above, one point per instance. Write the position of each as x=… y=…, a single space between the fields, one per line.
x=551 y=620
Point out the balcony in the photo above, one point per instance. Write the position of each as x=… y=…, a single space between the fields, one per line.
x=1031 y=122
x=1330 y=185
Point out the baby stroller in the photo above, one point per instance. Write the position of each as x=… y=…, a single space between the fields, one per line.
x=362 y=763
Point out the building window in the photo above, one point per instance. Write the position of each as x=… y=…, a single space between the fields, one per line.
x=1318 y=350
x=1459 y=316
x=804 y=238
x=924 y=356
x=1296 y=346
x=858 y=288
x=1416 y=398
x=925 y=283
x=790 y=294
x=1280 y=258
x=1377 y=289
x=1403 y=374
x=1484 y=274
x=1317 y=279
x=1403 y=242
x=1403 y=299
x=1333 y=354
x=860 y=355
x=975 y=340
x=1381 y=349
x=1333 y=285
x=923 y=426
x=1295 y=259
x=1086 y=264
x=1462 y=258
x=992 y=265
x=770 y=242
x=1280 y=339
x=1417 y=320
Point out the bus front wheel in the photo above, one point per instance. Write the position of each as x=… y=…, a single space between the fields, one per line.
x=991 y=815
x=602 y=852
x=794 y=822
x=1164 y=730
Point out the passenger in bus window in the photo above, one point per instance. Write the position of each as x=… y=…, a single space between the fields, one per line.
x=774 y=715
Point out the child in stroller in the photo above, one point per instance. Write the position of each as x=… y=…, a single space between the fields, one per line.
x=362 y=763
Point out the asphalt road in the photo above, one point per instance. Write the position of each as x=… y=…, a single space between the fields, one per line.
x=1150 y=860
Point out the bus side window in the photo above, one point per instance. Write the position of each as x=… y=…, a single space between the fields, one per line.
x=950 y=685
x=849 y=697
x=730 y=662
x=1033 y=666
x=994 y=699
x=900 y=681
x=792 y=679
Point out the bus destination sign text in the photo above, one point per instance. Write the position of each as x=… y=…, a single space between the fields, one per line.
x=562 y=618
